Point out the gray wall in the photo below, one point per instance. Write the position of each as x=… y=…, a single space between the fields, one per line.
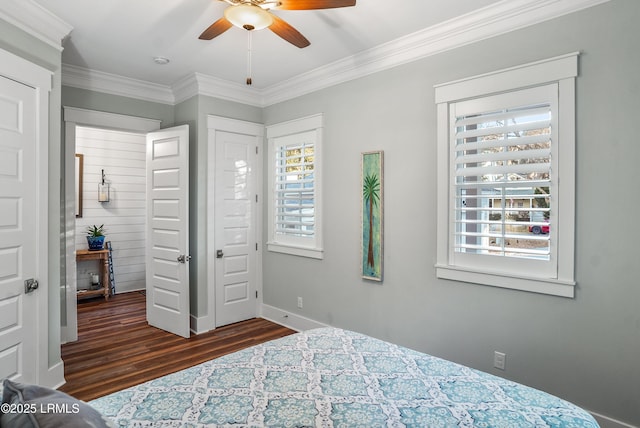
x=91 y=100
x=584 y=349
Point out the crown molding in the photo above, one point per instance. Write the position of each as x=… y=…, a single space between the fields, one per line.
x=84 y=78
x=185 y=88
x=35 y=20
x=493 y=20
x=202 y=84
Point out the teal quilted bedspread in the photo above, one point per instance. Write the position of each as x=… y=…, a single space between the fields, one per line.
x=336 y=378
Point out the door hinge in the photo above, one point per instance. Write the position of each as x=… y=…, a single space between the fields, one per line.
x=256 y=198
x=256 y=246
x=256 y=294
x=256 y=149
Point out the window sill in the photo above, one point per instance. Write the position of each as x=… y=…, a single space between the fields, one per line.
x=314 y=253
x=549 y=286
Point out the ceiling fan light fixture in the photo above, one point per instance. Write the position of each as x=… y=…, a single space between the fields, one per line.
x=248 y=17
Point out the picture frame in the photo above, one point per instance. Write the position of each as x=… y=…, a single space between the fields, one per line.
x=372 y=215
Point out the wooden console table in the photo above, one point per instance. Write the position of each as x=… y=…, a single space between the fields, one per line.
x=103 y=256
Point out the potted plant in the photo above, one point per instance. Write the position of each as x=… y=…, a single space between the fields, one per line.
x=95 y=237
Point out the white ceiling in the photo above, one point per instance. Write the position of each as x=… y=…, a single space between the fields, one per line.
x=122 y=37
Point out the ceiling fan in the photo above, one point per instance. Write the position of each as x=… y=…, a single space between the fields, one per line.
x=255 y=15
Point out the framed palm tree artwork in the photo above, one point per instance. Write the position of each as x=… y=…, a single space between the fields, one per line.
x=372 y=215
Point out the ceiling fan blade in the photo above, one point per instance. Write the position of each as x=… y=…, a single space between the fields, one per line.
x=215 y=29
x=287 y=32
x=314 y=4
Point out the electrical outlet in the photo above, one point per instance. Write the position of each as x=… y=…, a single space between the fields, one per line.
x=499 y=360
x=300 y=302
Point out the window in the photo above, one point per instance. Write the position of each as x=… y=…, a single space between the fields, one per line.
x=295 y=181
x=505 y=143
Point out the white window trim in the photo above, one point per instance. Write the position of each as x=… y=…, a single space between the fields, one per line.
x=561 y=70
x=302 y=125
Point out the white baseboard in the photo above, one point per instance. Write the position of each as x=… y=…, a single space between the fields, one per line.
x=607 y=422
x=55 y=376
x=288 y=319
x=199 y=325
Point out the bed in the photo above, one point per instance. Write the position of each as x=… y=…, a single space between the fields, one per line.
x=330 y=377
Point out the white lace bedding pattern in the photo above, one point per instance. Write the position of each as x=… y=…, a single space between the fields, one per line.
x=335 y=378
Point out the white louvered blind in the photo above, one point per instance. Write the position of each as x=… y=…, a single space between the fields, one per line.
x=502 y=182
x=295 y=190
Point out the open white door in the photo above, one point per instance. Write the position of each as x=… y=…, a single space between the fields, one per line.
x=168 y=230
x=235 y=227
x=19 y=237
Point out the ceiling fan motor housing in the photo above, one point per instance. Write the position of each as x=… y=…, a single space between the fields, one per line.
x=248 y=16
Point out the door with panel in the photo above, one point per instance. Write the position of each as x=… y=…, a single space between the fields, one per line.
x=19 y=238
x=235 y=227
x=167 y=260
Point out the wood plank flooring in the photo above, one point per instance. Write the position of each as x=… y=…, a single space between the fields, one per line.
x=116 y=348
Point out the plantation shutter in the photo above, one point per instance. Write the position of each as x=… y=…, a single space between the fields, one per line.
x=506 y=177
x=295 y=189
x=502 y=181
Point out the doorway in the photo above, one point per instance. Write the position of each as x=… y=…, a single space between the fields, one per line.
x=119 y=159
x=246 y=293
x=87 y=125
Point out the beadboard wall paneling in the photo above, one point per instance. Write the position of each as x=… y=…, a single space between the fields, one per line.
x=122 y=155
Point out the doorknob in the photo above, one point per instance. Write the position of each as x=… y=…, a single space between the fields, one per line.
x=183 y=259
x=219 y=254
x=30 y=285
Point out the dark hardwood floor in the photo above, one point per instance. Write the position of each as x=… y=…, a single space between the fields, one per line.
x=116 y=348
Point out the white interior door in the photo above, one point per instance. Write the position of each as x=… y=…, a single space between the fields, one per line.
x=167 y=263
x=235 y=227
x=19 y=237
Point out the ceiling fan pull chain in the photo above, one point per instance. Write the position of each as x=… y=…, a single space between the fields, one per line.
x=249 y=58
